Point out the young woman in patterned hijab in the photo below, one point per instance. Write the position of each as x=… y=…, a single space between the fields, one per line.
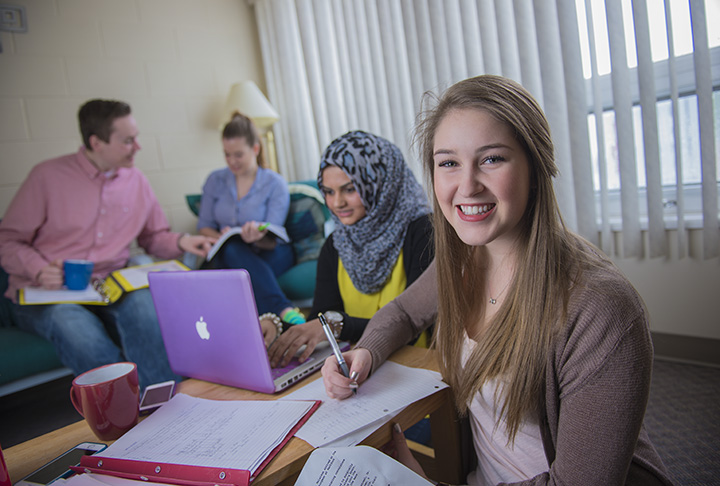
x=380 y=245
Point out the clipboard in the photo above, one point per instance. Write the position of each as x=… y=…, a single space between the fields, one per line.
x=100 y=291
x=184 y=474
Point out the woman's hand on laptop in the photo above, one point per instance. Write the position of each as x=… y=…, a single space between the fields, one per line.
x=290 y=341
x=269 y=330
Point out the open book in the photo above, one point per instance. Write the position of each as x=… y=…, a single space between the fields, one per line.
x=196 y=441
x=275 y=229
x=100 y=292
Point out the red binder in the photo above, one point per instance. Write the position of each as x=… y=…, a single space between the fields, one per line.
x=182 y=474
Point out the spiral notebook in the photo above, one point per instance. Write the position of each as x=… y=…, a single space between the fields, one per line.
x=209 y=323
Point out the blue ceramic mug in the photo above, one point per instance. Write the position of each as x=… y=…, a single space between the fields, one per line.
x=77 y=273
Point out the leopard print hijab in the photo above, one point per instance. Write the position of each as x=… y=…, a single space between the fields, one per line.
x=392 y=198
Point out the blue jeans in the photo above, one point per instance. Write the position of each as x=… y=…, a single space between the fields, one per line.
x=264 y=266
x=88 y=336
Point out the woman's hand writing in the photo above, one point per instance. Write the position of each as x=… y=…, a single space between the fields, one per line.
x=337 y=385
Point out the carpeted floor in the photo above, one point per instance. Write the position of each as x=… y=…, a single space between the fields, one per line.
x=682 y=419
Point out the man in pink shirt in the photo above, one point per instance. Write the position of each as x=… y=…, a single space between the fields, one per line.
x=92 y=205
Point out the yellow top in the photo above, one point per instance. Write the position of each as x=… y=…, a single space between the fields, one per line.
x=366 y=305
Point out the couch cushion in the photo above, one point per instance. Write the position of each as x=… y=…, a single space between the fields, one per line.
x=305 y=223
x=23 y=354
x=7 y=315
x=298 y=283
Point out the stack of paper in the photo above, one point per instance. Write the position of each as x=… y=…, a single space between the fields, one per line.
x=343 y=423
x=188 y=431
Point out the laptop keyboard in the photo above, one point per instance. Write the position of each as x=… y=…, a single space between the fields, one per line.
x=294 y=363
x=279 y=371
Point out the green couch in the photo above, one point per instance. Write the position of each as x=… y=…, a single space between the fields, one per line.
x=305 y=225
x=26 y=359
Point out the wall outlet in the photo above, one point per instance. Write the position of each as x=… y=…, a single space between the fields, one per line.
x=13 y=18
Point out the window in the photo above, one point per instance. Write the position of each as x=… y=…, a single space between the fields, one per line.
x=688 y=164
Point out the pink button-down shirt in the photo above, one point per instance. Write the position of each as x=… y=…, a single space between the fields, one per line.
x=67 y=209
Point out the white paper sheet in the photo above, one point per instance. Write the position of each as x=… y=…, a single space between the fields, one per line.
x=213 y=433
x=355 y=466
x=391 y=388
x=137 y=276
x=91 y=479
x=39 y=295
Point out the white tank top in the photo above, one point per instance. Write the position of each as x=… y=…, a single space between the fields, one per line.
x=499 y=462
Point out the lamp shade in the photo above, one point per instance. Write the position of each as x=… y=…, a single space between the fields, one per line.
x=247 y=98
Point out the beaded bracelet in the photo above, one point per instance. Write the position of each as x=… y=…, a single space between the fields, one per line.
x=275 y=319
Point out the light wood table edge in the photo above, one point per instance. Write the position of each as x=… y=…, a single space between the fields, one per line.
x=24 y=458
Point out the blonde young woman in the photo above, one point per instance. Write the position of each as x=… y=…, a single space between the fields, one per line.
x=545 y=344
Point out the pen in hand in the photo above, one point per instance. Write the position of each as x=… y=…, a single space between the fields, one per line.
x=336 y=349
x=354 y=384
x=263 y=226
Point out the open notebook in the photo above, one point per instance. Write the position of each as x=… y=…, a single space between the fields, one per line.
x=210 y=327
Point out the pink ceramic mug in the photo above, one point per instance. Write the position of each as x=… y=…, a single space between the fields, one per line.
x=4 y=475
x=108 y=398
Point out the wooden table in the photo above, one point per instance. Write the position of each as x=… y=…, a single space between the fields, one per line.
x=24 y=458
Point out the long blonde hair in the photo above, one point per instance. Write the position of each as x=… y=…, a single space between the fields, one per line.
x=515 y=346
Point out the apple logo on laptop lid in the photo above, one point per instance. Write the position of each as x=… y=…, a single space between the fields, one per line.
x=202 y=330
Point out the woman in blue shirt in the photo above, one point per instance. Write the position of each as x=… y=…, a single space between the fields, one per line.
x=246 y=195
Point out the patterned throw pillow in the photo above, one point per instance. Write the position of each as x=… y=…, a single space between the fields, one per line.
x=306 y=220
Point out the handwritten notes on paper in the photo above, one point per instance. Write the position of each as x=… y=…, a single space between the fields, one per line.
x=347 y=422
x=215 y=433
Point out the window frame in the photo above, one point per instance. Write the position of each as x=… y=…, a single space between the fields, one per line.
x=692 y=192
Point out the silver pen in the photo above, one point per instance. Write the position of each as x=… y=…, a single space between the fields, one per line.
x=334 y=345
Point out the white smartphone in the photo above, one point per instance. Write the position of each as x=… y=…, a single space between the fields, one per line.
x=155 y=395
x=60 y=466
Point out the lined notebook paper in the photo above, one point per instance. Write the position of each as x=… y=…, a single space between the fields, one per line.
x=390 y=389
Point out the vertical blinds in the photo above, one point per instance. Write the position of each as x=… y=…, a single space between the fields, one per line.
x=336 y=65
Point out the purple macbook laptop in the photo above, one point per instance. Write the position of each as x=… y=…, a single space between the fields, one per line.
x=210 y=327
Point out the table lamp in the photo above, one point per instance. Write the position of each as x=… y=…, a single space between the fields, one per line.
x=247 y=98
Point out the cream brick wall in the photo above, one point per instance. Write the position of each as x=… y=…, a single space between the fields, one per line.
x=172 y=60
